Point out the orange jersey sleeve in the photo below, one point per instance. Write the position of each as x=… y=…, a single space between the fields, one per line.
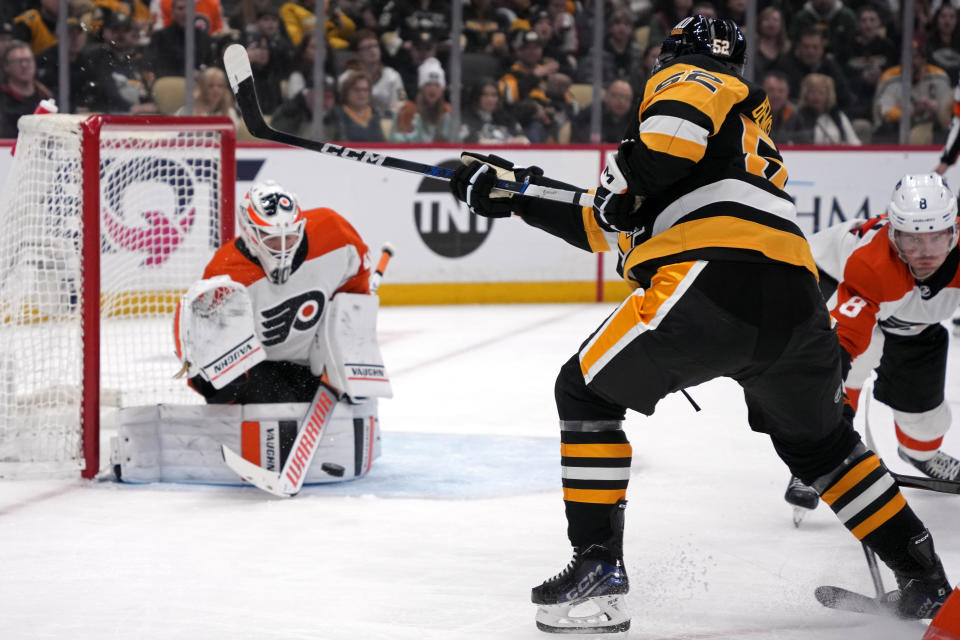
x=328 y=230
x=873 y=274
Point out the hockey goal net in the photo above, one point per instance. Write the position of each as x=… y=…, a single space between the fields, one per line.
x=107 y=220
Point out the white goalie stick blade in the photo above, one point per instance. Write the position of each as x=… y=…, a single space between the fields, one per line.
x=289 y=481
x=237 y=64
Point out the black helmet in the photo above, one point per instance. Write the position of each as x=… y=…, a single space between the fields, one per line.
x=718 y=38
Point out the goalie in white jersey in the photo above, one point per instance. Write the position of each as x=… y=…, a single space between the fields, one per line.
x=890 y=282
x=282 y=309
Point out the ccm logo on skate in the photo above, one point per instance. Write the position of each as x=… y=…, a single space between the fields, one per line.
x=300 y=456
x=587 y=584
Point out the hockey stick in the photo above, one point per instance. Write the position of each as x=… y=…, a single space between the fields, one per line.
x=240 y=74
x=313 y=428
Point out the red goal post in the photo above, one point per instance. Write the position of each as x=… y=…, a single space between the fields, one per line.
x=85 y=318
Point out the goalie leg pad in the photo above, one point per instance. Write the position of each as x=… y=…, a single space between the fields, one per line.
x=177 y=443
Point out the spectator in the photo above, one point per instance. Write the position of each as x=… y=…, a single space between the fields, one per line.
x=777 y=88
x=302 y=73
x=649 y=59
x=664 y=20
x=88 y=86
x=208 y=14
x=943 y=41
x=616 y=115
x=622 y=56
x=117 y=58
x=526 y=76
x=409 y=18
x=388 y=93
x=485 y=121
x=704 y=8
x=354 y=118
x=137 y=11
x=21 y=92
x=296 y=114
x=164 y=55
x=772 y=41
x=536 y=123
x=6 y=41
x=560 y=105
x=930 y=97
x=409 y=58
x=485 y=29
x=817 y=119
x=38 y=26
x=809 y=56
x=555 y=45
x=735 y=10
x=212 y=96
x=271 y=58
x=427 y=118
x=871 y=52
x=835 y=21
x=245 y=12
x=299 y=19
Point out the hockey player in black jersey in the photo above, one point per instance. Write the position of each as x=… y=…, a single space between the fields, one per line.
x=724 y=285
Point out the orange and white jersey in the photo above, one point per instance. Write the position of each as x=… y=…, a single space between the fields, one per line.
x=876 y=288
x=332 y=258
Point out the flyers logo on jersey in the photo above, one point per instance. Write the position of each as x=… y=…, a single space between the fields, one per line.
x=300 y=313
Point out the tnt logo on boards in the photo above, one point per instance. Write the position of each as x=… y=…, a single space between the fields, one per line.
x=445 y=224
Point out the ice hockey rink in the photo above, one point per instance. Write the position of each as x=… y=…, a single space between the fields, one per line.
x=458 y=519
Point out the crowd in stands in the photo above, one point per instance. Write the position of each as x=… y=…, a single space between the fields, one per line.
x=831 y=68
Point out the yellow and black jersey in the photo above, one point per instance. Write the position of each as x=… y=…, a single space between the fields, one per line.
x=42 y=32
x=711 y=178
x=518 y=83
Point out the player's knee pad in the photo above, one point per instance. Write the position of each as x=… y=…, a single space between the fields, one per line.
x=920 y=434
x=577 y=402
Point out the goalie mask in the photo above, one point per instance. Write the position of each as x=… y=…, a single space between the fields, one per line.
x=717 y=38
x=272 y=226
x=923 y=221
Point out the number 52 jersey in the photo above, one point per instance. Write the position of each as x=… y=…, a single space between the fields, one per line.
x=711 y=177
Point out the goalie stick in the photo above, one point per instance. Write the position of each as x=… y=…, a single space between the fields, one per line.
x=240 y=74
x=313 y=428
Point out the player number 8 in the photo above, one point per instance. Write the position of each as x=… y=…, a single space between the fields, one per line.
x=852 y=307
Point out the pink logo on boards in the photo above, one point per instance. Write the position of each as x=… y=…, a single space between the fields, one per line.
x=147 y=205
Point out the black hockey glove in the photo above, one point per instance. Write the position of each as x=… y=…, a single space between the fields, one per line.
x=613 y=204
x=473 y=183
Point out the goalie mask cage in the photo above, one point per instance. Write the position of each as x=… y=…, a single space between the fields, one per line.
x=108 y=220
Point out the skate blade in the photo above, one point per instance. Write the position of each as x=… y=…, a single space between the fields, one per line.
x=601 y=614
x=799 y=513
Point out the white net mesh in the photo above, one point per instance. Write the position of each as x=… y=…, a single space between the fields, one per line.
x=160 y=221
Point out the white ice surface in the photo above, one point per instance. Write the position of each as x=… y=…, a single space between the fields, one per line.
x=458 y=519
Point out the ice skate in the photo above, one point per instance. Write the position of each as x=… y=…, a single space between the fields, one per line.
x=802 y=497
x=942 y=466
x=921 y=593
x=587 y=596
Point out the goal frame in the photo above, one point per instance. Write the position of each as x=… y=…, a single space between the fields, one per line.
x=90 y=253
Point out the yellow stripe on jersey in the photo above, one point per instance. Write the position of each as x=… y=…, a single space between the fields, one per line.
x=595 y=235
x=639 y=309
x=850 y=479
x=597 y=450
x=673 y=146
x=723 y=232
x=594 y=496
x=711 y=93
x=883 y=514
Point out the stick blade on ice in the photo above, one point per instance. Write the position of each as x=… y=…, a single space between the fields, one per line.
x=254 y=474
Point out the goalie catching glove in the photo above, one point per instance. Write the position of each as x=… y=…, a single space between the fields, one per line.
x=474 y=183
x=213 y=331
